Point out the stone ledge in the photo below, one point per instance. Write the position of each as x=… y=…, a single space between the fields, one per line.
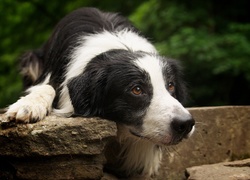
x=55 y=148
x=57 y=136
x=237 y=170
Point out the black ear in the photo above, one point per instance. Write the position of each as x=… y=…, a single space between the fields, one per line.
x=181 y=88
x=175 y=71
x=86 y=94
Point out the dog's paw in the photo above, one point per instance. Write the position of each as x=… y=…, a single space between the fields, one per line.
x=33 y=107
x=26 y=111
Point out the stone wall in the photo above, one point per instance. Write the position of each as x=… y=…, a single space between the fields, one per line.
x=73 y=148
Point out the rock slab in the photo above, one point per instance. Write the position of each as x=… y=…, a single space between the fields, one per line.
x=236 y=170
x=55 y=148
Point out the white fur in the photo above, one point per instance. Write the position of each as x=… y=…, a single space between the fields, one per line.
x=93 y=45
x=138 y=154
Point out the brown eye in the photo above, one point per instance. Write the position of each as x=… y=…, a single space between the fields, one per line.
x=137 y=90
x=171 y=87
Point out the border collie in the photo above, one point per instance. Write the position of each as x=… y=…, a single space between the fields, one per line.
x=97 y=64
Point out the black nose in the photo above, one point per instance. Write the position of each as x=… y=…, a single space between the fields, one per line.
x=182 y=127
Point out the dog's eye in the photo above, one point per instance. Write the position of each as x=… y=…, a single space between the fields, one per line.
x=171 y=87
x=136 y=90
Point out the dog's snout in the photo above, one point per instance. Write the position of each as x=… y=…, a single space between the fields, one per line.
x=182 y=127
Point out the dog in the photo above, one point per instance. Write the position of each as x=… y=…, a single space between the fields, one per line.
x=97 y=64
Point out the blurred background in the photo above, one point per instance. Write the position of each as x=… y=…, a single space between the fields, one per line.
x=211 y=39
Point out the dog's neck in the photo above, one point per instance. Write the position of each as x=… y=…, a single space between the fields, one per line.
x=135 y=156
x=140 y=156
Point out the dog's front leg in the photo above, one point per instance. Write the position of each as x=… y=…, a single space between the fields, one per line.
x=32 y=107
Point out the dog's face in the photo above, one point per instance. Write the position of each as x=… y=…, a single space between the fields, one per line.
x=139 y=90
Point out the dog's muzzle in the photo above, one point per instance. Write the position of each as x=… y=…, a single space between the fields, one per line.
x=181 y=129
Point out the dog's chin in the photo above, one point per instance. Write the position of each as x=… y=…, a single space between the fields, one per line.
x=167 y=140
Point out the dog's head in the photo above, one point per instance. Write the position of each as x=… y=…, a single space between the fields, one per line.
x=140 y=91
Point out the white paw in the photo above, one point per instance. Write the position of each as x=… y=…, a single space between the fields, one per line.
x=33 y=107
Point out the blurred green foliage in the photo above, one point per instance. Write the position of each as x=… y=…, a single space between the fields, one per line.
x=211 y=38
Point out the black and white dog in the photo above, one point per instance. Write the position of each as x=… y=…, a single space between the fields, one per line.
x=97 y=64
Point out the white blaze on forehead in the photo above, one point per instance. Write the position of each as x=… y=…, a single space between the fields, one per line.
x=153 y=66
x=163 y=107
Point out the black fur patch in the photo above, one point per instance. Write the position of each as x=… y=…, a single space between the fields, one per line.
x=104 y=88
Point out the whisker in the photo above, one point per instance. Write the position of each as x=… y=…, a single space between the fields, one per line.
x=200 y=123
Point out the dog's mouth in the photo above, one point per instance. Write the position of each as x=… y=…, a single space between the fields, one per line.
x=137 y=135
x=168 y=140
